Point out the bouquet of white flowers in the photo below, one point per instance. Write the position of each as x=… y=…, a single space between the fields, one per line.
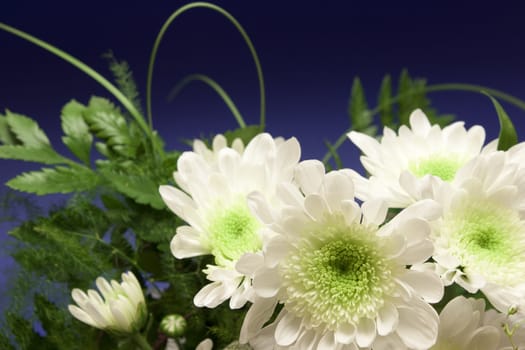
x=240 y=244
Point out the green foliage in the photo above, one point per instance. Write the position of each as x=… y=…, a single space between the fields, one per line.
x=384 y=101
x=60 y=179
x=412 y=95
x=107 y=122
x=360 y=116
x=124 y=79
x=246 y=134
x=77 y=136
x=507 y=134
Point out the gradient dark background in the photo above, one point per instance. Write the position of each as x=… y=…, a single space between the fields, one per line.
x=309 y=51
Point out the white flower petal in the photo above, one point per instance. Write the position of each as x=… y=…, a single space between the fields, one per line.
x=309 y=175
x=288 y=329
x=345 y=333
x=374 y=211
x=387 y=319
x=258 y=314
x=267 y=283
x=425 y=283
x=418 y=325
x=186 y=243
x=366 y=332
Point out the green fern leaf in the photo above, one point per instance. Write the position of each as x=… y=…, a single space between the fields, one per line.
x=360 y=116
x=44 y=155
x=141 y=189
x=6 y=135
x=77 y=136
x=110 y=125
x=56 y=180
x=405 y=93
x=246 y=134
x=27 y=130
x=124 y=79
x=384 y=102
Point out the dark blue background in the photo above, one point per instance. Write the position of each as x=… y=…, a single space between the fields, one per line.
x=310 y=52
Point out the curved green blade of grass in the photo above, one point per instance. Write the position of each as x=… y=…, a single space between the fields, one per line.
x=507 y=134
x=237 y=25
x=216 y=87
x=84 y=68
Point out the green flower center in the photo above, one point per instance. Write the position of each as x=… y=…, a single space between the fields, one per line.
x=233 y=231
x=488 y=240
x=440 y=166
x=336 y=274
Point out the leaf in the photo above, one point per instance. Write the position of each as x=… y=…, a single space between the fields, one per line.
x=360 y=116
x=246 y=134
x=384 y=102
x=141 y=189
x=6 y=136
x=56 y=180
x=405 y=94
x=77 y=136
x=44 y=155
x=21 y=329
x=110 y=125
x=27 y=130
x=507 y=133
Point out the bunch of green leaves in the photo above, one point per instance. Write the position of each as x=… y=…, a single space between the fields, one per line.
x=115 y=221
x=393 y=110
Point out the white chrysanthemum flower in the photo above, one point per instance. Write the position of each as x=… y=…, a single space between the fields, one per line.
x=461 y=327
x=120 y=309
x=339 y=271
x=423 y=149
x=480 y=240
x=214 y=205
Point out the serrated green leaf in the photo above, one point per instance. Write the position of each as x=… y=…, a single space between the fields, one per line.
x=56 y=180
x=109 y=124
x=405 y=93
x=21 y=329
x=4 y=343
x=246 y=134
x=77 y=136
x=507 y=133
x=139 y=188
x=44 y=155
x=384 y=102
x=6 y=136
x=27 y=130
x=360 y=116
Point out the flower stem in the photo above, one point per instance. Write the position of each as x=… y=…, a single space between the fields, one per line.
x=141 y=341
x=241 y=30
x=216 y=87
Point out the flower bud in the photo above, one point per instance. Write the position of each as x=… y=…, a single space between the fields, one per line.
x=118 y=308
x=173 y=325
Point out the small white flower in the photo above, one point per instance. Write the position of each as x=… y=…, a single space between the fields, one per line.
x=423 y=149
x=341 y=273
x=461 y=327
x=480 y=240
x=119 y=308
x=215 y=184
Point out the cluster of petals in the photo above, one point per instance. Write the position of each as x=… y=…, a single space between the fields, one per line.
x=480 y=238
x=119 y=308
x=404 y=158
x=464 y=325
x=211 y=198
x=318 y=213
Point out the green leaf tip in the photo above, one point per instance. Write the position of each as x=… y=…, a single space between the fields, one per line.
x=507 y=134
